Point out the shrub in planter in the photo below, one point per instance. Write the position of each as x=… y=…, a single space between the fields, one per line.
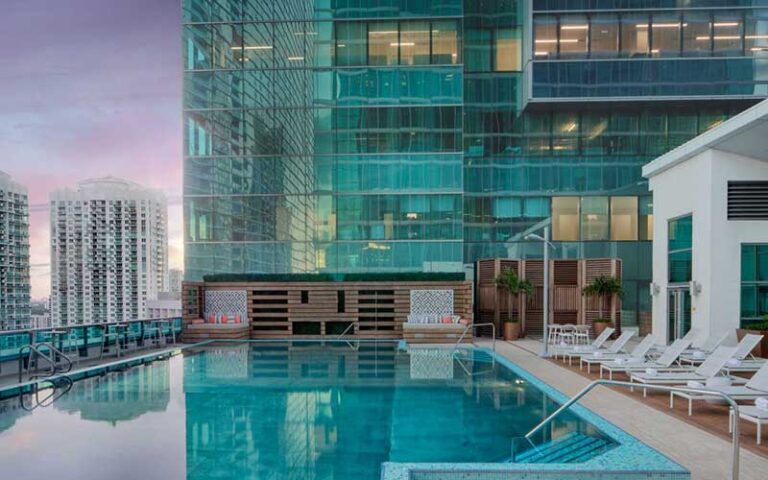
x=511 y=329
x=509 y=282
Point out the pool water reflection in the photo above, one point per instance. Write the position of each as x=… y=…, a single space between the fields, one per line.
x=279 y=410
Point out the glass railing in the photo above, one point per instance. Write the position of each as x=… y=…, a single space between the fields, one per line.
x=80 y=337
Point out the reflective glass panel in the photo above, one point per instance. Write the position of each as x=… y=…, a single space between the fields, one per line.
x=351 y=43
x=545 y=36
x=635 y=38
x=645 y=218
x=382 y=43
x=697 y=34
x=604 y=35
x=756 y=33
x=414 y=43
x=574 y=32
x=624 y=218
x=445 y=43
x=726 y=30
x=565 y=218
x=594 y=218
x=665 y=34
x=258 y=47
x=508 y=51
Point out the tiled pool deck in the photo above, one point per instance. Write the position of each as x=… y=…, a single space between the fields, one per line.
x=707 y=456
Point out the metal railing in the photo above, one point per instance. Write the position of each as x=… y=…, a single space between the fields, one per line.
x=472 y=327
x=664 y=388
x=49 y=399
x=35 y=353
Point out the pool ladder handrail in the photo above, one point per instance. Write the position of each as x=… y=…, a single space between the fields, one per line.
x=34 y=350
x=665 y=388
x=472 y=326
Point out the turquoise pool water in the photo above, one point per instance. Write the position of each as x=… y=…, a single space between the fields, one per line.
x=282 y=410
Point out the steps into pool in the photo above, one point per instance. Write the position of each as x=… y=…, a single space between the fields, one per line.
x=571 y=448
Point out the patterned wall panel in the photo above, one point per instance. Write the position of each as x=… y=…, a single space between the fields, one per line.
x=432 y=302
x=226 y=302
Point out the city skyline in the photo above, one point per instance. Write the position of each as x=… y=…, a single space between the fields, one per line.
x=98 y=98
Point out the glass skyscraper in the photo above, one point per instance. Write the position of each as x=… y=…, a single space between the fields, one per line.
x=415 y=135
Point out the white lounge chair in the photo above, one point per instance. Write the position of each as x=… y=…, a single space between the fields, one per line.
x=664 y=362
x=616 y=347
x=743 y=361
x=637 y=355
x=594 y=346
x=710 y=368
x=757 y=386
x=690 y=337
x=695 y=356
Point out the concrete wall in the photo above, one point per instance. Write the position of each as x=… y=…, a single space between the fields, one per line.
x=699 y=186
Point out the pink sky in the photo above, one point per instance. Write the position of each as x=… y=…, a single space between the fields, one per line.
x=90 y=88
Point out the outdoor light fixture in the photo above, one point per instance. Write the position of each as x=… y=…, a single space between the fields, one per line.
x=695 y=288
x=547 y=244
x=655 y=289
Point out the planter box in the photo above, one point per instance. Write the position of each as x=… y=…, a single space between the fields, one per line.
x=761 y=350
x=435 y=333
x=199 y=332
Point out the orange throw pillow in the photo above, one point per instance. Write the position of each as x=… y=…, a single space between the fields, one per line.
x=211 y=318
x=447 y=319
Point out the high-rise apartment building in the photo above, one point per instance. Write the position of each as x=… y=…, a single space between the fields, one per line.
x=109 y=251
x=175 y=277
x=14 y=255
x=406 y=135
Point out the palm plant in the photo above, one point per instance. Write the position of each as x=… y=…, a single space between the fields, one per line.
x=604 y=287
x=514 y=286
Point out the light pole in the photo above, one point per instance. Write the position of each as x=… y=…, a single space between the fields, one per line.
x=545 y=240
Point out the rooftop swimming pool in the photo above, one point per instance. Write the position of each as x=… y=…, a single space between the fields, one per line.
x=309 y=410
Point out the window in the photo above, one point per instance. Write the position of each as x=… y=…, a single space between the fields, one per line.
x=645 y=218
x=545 y=37
x=604 y=36
x=507 y=50
x=445 y=43
x=756 y=32
x=680 y=249
x=754 y=282
x=726 y=34
x=624 y=218
x=665 y=34
x=565 y=219
x=414 y=43
x=350 y=44
x=634 y=35
x=574 y=31
x=697 y=34
x=594 y=218
x=382 y=43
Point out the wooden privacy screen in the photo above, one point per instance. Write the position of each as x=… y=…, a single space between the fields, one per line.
x=311 y=309
x=566 y=280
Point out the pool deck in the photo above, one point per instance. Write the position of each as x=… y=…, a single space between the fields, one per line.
x=706 y=454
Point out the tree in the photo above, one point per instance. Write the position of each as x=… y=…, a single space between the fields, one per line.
x=603 y=287
x=513 y=285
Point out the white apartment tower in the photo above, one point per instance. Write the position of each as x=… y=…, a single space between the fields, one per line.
x=14 y=255
x=109 y=251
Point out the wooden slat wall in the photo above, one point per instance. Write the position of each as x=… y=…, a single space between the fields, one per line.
x=567 y=279
x=377 y=309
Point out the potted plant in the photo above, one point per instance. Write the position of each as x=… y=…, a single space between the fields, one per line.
x=511 y=329
x=514 y=286
x=603 y=287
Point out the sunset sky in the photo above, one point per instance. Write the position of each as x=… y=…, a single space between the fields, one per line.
x=90 y=88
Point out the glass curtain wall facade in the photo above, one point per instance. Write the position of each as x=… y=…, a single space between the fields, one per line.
x=408 y=135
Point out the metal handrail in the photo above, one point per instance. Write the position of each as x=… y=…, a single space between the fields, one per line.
x=665 y=388
x=34 y=348
x=472 y=326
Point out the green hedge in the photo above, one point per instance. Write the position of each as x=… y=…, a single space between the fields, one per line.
x=337 y=277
